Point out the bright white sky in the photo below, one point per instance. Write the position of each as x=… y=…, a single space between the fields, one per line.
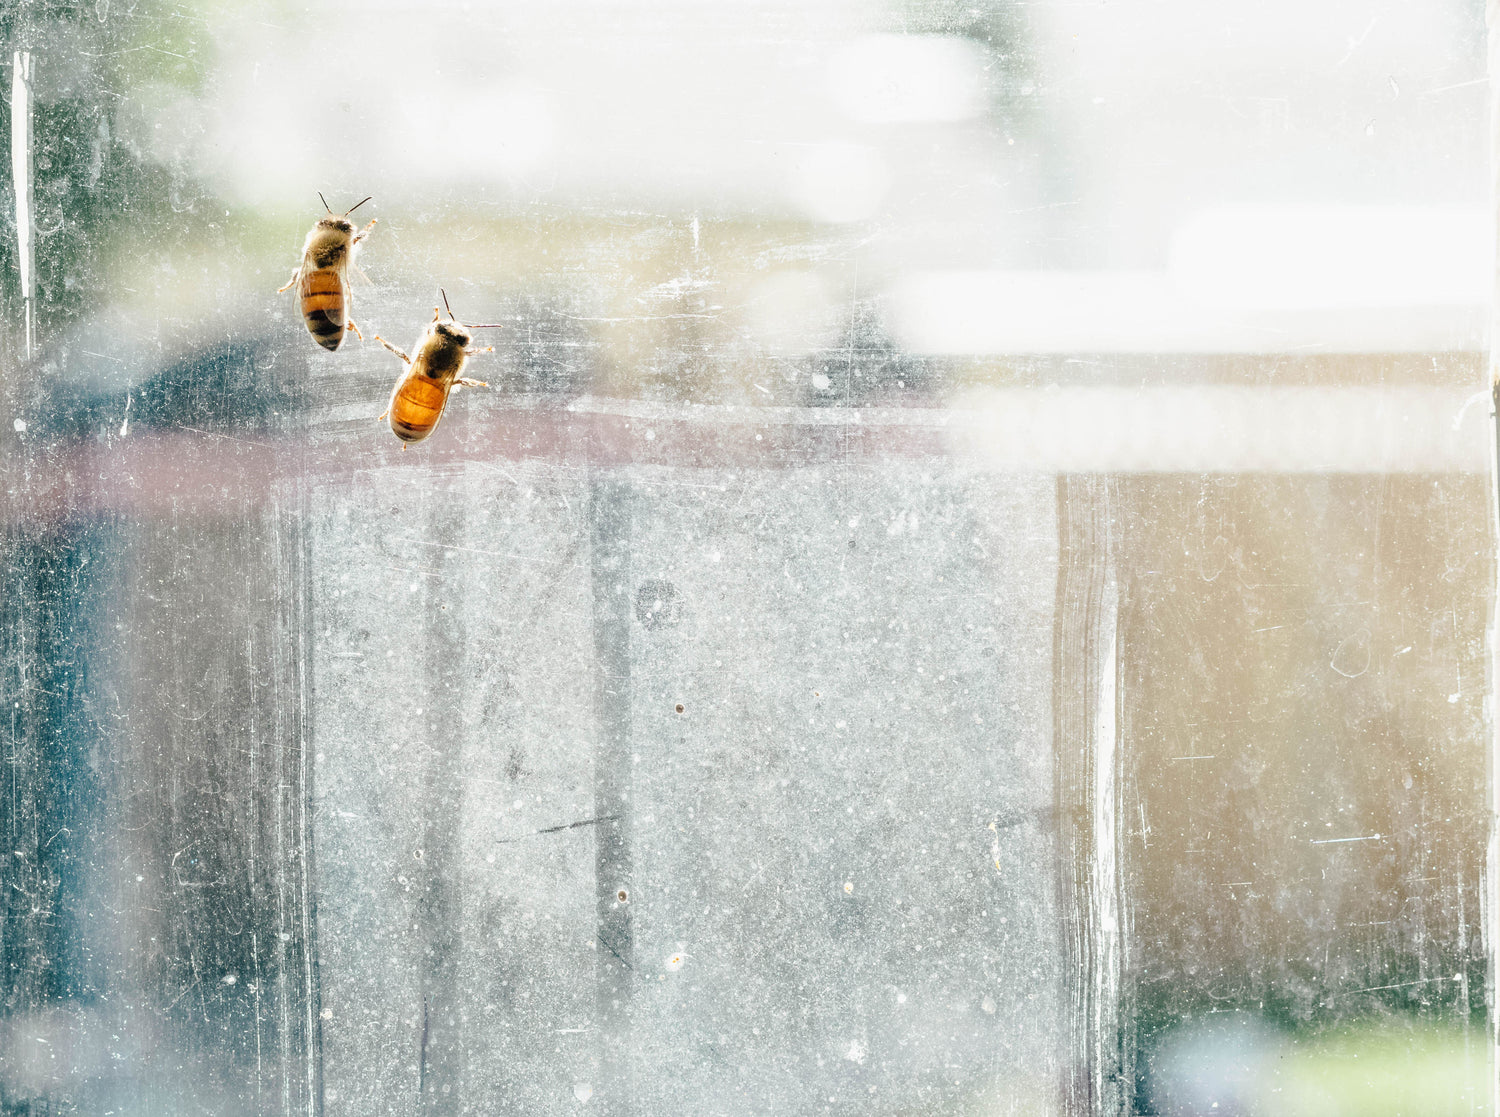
x=1140 y=120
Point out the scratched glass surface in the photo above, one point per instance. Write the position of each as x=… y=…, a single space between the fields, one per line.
x=964 y=593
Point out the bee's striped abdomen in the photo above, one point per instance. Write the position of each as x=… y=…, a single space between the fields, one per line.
x=417 y=405
x=323 y=307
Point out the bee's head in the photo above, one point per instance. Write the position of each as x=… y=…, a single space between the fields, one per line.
x=452 y=331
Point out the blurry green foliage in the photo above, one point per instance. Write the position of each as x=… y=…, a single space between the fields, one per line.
x=101 y=70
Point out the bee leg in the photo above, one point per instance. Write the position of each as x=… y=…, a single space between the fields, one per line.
x=382 y=415
x=467 y=383
x=352 y=326
x=295 y=273
x=363 y=233
x=393 y=349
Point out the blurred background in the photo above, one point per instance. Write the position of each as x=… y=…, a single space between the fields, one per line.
x=966 y=592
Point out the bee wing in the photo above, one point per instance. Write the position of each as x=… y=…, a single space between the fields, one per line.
x=358 y=276
x=314 y=280
x=309 y=268
x=324 y=296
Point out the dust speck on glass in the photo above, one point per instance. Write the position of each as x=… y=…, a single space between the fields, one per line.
x=953 y=575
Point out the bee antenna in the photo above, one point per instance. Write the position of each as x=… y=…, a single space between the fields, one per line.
x=445 y=303
x=324 y=200
x=355 y=206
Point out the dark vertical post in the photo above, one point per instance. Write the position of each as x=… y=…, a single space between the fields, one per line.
x=439 y=729
x=302 y=1048
x=610 y=524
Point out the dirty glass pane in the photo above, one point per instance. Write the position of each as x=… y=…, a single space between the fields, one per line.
x=964 y=589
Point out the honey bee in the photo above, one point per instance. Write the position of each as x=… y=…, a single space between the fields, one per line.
x=327 y=256
x=421 y=393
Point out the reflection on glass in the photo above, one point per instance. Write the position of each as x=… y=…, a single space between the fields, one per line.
x=966 y=592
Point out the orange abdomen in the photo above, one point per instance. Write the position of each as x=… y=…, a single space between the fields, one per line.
x=322 y=294
x=417 y=405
